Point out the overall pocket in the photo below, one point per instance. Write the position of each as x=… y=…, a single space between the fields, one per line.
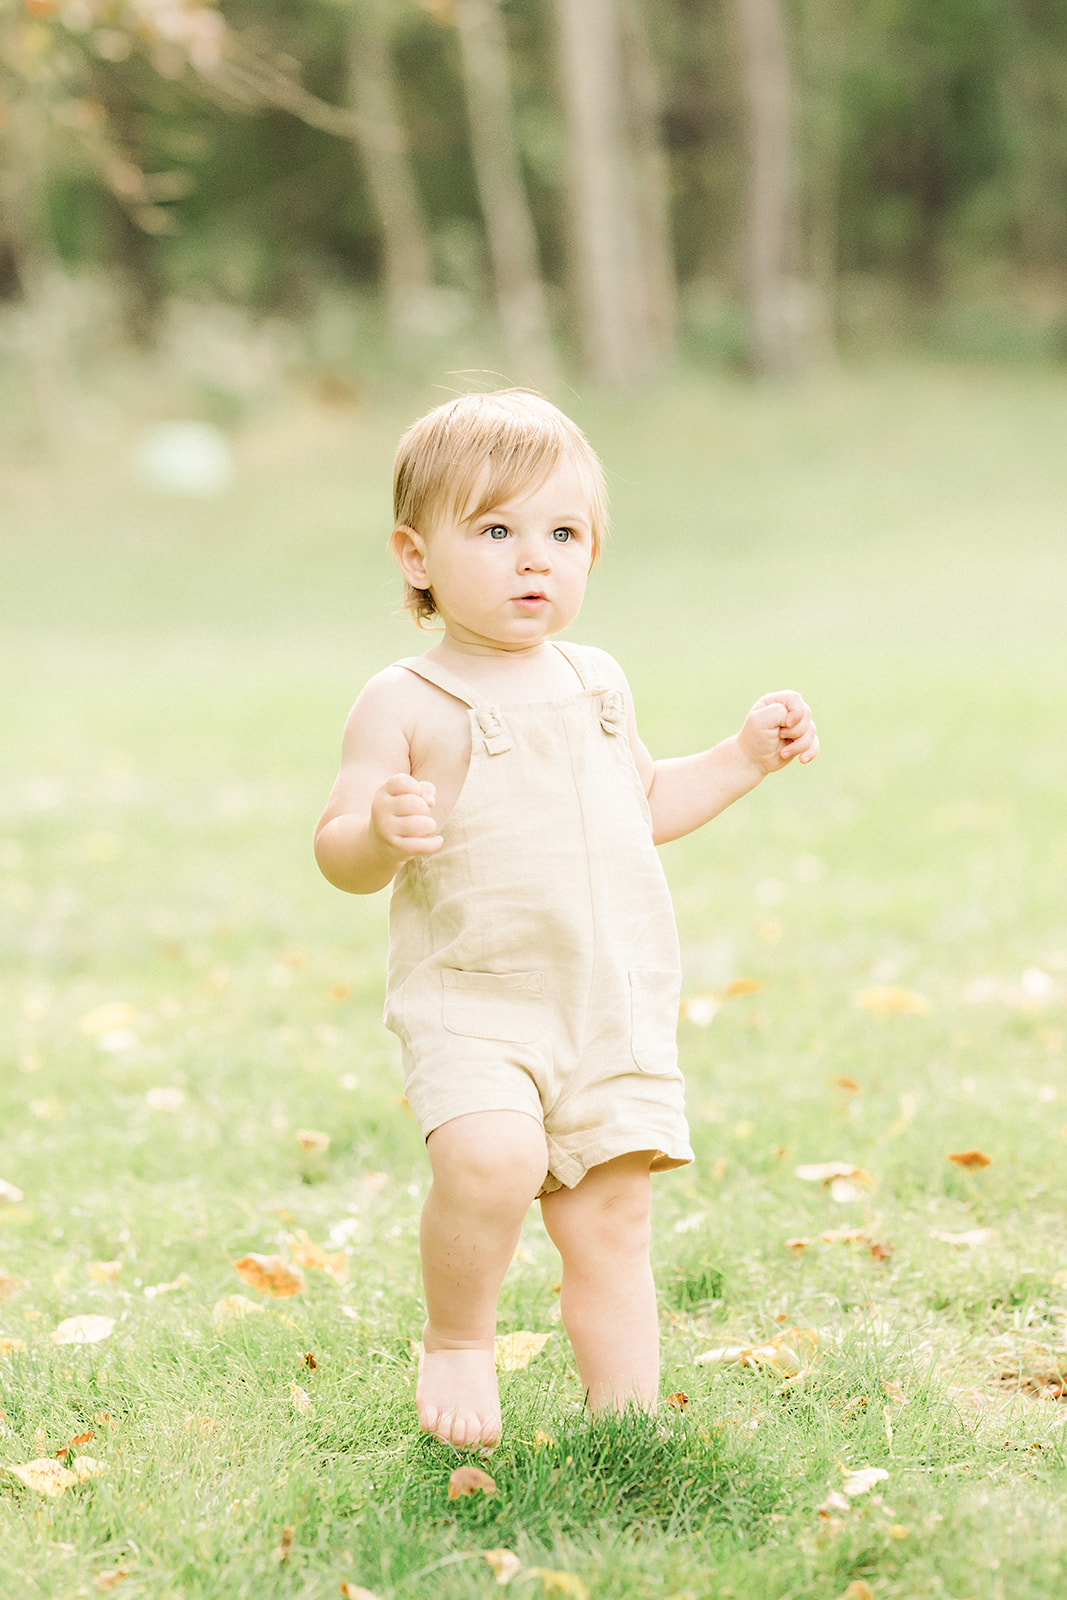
x=508 y=1006
x=654 y=999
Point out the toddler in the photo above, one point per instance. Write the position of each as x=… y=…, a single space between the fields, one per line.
x=499 y=783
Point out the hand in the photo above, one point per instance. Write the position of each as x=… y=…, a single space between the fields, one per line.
x=777 y=730
x=401 y=818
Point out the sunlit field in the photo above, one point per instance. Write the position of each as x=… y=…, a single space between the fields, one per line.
x=194 y=1071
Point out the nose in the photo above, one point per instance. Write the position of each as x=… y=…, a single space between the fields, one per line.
x=533 y=556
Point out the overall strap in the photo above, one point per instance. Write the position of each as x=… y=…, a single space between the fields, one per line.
x=442 y=678
x=577 y=656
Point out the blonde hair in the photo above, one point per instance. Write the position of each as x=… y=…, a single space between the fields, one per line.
x=473 y=453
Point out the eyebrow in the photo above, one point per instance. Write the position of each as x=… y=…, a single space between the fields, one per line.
x=504 y=512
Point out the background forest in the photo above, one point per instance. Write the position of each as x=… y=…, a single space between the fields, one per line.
x=592 y=185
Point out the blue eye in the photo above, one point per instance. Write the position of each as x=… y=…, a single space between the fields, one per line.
x=497 y=532
x=562 y=535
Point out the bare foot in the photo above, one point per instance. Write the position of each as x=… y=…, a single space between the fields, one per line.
x=456 y=1395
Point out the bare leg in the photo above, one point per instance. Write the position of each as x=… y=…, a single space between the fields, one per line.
x=487 y=1170
x=602 y=1231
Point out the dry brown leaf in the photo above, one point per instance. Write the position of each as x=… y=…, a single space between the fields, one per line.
x=9 y=1194
x=313 y=1140
x=151 y=1290
x=974 y=1159
x=270 y=1275
x=845 y=1084
x=790 y=1354
x=232 y=1309
x=679 y=1400
x=109 y=1579
x=302 y=1401
x=285 y=1545
x=797 y=1246
x=857 y=1590
x=469 y=1480
x=886 y=998
x=72 y=1445
x=566 y=1583
x=86 y=1329
x=46 y=1477
x=9 y=1287
x=504 y=1563
x=513 y=1351
x=826 y=1171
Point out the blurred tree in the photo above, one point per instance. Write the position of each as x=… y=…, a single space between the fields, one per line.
x=520 y=292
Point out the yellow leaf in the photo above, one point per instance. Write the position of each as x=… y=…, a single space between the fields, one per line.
x=897 y=1530
x=886 y=999
x=270 y=1275
x=352 y=1591
x=109 y=1018
x=46 y=1477
x=302 y=1401
x=307 y=1254
x=105 y=1271
x=975 y=1159
x=846 y=1085
x=108 y=1580
x=504 y=1563
x=516 y=1350
x=9 y=1287
x=566 y=1583
x=469 y=1480
x=857 y=1590
x=85 y=1467
x=11 y=1347
x=788 y=1353
x=86 y=1329
x=742 y=986
x=233 y=1308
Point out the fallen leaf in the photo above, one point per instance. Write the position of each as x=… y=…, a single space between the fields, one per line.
x=513 y=1351
x=975 y=1159
x=834 y=1502
x=9 y=1194
x=285 y=1545
x=11 y=1347
x=897 y=1530
x=789 y=1353
x=302 y=1401
x=862 y=1480
x=108 y=1580
x=724 y=1355
x=232 y=1309
x=9 y=1287
x=566 y=1583
x=105 y=1271
x=85 y=1467
x=307 y=1254
x=469 y=1480
x=313 y=1140
x=270 y=1275
x=117 y=1014
x=797 y=1246
x=308 y=1360
x=679 y=1400
x=971 y=1236
x=857 y=1590
x=81 y=1438
x=742 y=986
x=504 y=1563
x=826 y=1171
x=86 y=1329
x=151 y=1290
x=886 y=999
x=46 y=1477
x=352 y=1591
x=846 y=1085
x=165 y=1097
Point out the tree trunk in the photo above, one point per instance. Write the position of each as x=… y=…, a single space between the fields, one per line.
x=768 y=99
x=509 y=227
x=655 y=311
x=407 y=270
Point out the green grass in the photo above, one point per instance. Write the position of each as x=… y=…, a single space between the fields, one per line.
x=175 y=678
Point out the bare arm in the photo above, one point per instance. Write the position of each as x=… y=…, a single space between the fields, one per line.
x=377 y=815
x=687 y=791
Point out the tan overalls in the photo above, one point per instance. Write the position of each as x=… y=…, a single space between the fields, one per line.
x=534 y=961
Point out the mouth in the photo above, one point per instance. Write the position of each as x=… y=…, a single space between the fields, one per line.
x=533 y=600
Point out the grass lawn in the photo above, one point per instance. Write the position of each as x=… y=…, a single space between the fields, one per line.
x=876 y=960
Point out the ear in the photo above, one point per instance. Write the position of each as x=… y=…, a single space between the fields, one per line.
x=409 y=551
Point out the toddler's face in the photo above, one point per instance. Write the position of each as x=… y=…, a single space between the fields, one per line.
x=516 y=573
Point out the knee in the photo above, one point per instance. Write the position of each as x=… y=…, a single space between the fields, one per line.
x=608 y=1214
x=490 y=1159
